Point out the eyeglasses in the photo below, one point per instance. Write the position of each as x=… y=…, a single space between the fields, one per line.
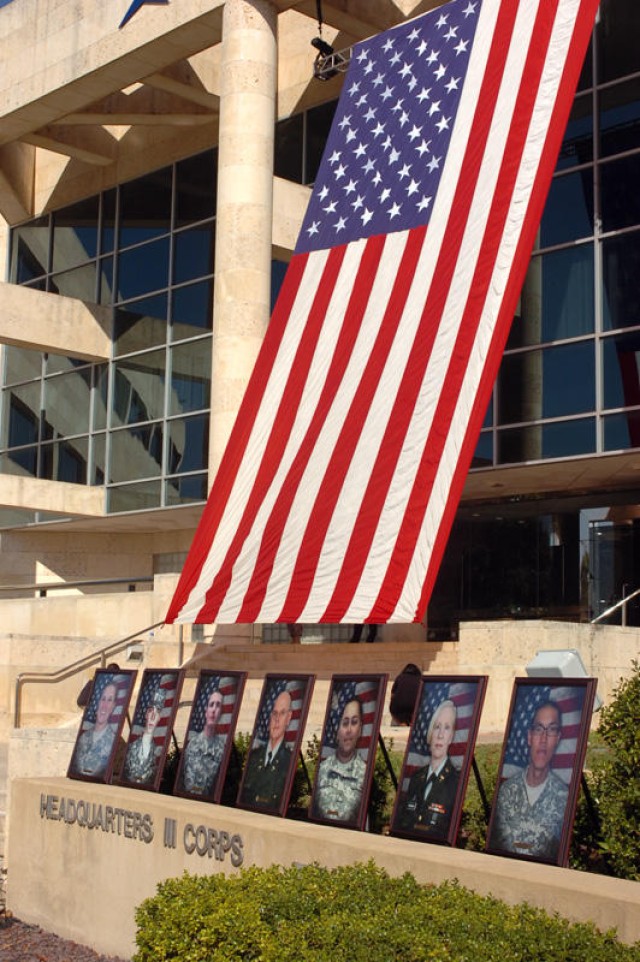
x=552 y=731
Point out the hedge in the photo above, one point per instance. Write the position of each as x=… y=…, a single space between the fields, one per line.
x=353 y=914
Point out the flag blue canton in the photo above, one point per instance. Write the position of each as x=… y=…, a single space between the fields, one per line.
x=389 y=140
x=517 y=747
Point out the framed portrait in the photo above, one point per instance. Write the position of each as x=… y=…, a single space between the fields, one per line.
x=209 y=739
x=540 y=767
x=438 y=758
x=151 y=728
x=271 y=761
x=99 y=738
x=344 y=773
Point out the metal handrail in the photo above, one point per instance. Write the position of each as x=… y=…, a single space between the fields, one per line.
x=53 y=677
x=619 y=604
x=44 y=587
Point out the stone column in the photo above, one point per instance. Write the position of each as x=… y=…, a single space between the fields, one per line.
x=248 y=78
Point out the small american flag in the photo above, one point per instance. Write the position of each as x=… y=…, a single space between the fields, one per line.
x=570 y=700
x=227 y=685
x=464 y=696
x=298 y=689
x=123 y=683
x=369 y=692
x=161 y=689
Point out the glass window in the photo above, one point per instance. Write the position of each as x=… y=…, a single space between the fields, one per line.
x=190 y=376
x=619 y=193
x=134 y=497
x=108 y=234
x=622 y=431
x=577 y=144
x=289 y=149
x=139 y=387
x=193 y=253
x=21 y=461
x=105 y=280
x=188 y=444
x=621 y=374
x=483 y=456
x=568 y=213
x=196 y=180
x=586 y=76
x=98 y=467
x=143 y=269
x=140 y=324
x=136 y=453
x=620 y=118
x=21 y=365
x=29 y=250
x=67 y=402
x=618 y=49
x=560 y=439
x=80 y=283
x=24 y=414
x=145 y=207
x=192 y=309
x=65 y=461
x=319 y=121
x=278 y=271
x=185 y=490
x=556 y=382
x=75 y=234
x=620 y=287
x=557 y=299
x=100 y=397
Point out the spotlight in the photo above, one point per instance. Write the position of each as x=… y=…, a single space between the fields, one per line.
x=323 y=68
x=560 y=663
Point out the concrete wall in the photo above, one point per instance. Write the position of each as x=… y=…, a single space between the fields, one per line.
x=92 y=879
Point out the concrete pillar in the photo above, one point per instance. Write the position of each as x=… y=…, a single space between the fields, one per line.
x=248 y=76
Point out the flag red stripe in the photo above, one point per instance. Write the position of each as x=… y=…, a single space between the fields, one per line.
x=282 y=425
x=358 y=301
x=234 y=454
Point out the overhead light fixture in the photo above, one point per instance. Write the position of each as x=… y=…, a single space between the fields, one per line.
x=560 y=663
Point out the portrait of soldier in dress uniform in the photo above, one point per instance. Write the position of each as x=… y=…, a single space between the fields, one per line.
x=96 y=747
x=151 y=728
x=439 y=752
x=347 y=755
x=209 y=738
x=543 y=754
x=270 y=765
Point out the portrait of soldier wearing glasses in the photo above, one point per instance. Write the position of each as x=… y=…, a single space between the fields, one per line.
x=531 y=805
x=268 y=765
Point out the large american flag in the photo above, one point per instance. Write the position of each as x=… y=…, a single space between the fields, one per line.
x=337 y=490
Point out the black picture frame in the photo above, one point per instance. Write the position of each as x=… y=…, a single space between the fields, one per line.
x=94 y=754
x=527 y=821
x=156 y=706
x=266 y=783
x=342 y=786
x=438 y=758
x=205 y=757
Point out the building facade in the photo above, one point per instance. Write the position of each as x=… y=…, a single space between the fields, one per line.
x=152 y=180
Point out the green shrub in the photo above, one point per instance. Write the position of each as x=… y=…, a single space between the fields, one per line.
x=615 y=781
x=352 y=914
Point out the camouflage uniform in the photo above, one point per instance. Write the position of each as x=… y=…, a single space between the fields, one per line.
x=93 y=751
x=140 y=765
x=202 y=758
x=529 y=829
x=339 y=788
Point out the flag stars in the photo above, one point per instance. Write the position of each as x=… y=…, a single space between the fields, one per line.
x=434 y=108
x=461 y=47
x=424 y=147
x=369 y=68
x=351 y=135
x=395 y=59
x=404 y=171
x=451 y=33
x=423 y=203
x=345 y=122
x=469 y=10
x=330 y=208
x=433 y=57
x=350 y=187
x=358 y=202
x=404 y=118
x=335 y=157
x=363 y=55
x=361 y=101
x=422 y=46
x=433 y=164
x=377 y=177
x=384 y=195
x=443 y=123
x=341 y=223
x=414 y=133
x=322 y=194
x=370 y=114
x=386 y=143
x=388 y=45
x=339 y=172
x=442 y=21
x=387 y=92
x=440 y=72
x=394 y=156
x=378 y=80
x=398 y=105
x=413 y=83
x=361 y=149
x=378 y=130
x=313 y=228
x=407 y=69
x=394 y=211
x=366 y=216
x=412 y=187
x=369 y=166
x=453 y=84
x=415 y=33
x=354 y=88
x=424 y=94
